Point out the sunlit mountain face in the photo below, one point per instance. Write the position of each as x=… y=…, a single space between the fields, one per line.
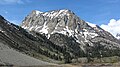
x=54 y=37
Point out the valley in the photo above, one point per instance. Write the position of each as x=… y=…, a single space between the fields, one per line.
x=57 y=38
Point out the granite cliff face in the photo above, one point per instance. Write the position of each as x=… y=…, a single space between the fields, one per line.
x=56 y=36
x=65 y=22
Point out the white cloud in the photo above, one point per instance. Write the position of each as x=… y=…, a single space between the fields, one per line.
x=3 y=2
x=113 y=27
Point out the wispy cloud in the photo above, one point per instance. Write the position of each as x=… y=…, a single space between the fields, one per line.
x=4 y=2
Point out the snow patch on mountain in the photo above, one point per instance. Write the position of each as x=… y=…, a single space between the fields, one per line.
x=67 y=23
x=91 y=24
x=63 y=18
x=38 y=12
x=44 y=30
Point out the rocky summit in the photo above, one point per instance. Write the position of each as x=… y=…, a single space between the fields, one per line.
x=65 y=22
x=57 y=36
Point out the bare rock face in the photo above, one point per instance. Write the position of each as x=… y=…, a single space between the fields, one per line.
x=67 y=23
x=62 y=21
x=57 y=35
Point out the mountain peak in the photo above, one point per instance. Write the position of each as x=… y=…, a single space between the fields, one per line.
x=53 y=12
x=58 y=21
x=64 y=22
x=36 y=12
x=66 y=34
x=65 y=10
x=60 y=10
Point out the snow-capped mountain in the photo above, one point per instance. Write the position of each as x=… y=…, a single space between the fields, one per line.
x=57 y=36
x=58 y=21
x=67 y=23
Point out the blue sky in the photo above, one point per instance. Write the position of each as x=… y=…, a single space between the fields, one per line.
x=95 y=11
